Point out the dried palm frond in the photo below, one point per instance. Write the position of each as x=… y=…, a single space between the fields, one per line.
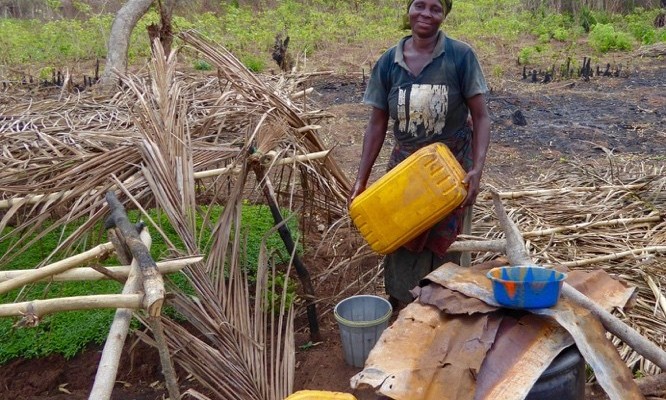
x=594 y=214
x=233 y=359
x=177 y=143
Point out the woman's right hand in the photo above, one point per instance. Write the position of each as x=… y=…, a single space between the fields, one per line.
x=356 y=190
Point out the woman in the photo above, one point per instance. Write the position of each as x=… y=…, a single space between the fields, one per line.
x=429 y=85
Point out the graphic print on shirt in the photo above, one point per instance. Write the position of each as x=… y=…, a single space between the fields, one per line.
x=427 y=108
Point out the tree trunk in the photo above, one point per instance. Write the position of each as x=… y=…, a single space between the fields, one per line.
x=163 y=31
x=123 y=24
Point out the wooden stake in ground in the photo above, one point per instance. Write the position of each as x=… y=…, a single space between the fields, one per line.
x=107 y=370
x=303 y=273
x=152 y=283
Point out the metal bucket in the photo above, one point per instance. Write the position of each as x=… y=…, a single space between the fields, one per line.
x=361 y=320
x=563 y=379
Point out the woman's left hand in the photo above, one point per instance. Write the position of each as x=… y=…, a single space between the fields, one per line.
x=472 y=181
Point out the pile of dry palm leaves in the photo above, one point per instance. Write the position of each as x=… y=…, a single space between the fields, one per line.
x=607 y=214
x=177 y=143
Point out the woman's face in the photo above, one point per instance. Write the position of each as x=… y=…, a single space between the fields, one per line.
x=425 y=17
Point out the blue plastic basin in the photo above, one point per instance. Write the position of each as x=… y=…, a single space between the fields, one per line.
x=526 y=286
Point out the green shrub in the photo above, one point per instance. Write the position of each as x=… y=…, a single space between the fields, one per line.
x=605 y=38
x=254 y=64
x=586 y=19
x=275 y=297
x=202 y=65
x=554 y=26
x=562 y=34
x=640 y=25
x=526 y=55
x=661 y=35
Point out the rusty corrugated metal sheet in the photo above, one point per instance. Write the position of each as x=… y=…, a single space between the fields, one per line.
x=590 y=336
x=426 y=354
x=404 y=366
x=449 y=301
x=524 y=347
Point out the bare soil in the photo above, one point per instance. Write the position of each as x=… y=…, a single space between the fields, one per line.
x=563 y=120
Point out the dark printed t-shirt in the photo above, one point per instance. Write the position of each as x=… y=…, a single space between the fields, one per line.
x=429 y=107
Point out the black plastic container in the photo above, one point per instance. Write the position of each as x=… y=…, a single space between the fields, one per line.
x=564 y=379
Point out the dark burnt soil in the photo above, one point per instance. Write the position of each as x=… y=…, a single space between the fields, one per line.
x=537 y=122
x=561 y=120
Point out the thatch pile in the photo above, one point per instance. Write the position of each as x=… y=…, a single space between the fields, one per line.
x=608 y=214
x=178 y=143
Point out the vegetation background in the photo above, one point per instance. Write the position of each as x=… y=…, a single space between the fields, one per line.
x=41 y=36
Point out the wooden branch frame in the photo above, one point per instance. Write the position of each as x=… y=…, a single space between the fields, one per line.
x=153 y=285
x=40 y=308
x=90 y=274
x=56 y=268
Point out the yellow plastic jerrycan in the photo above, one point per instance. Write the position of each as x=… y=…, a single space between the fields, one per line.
x=409 y=199
x=320 y=395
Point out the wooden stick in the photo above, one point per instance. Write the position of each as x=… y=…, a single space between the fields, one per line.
x=497 y=246
x=306 y=128
x=302 y=272
x=108 y=273
x=466 y=256
x=56 y=268
x=153 y=285
x=107 y=370
x=550 y=192
x=89 y=274
x=284 y=161
x=269 y=157
x=34 y=199
x=165 y=358
x=613 y=256
x=39 y=308
x=300 y=94
x=582 y=225
x=122 y=252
